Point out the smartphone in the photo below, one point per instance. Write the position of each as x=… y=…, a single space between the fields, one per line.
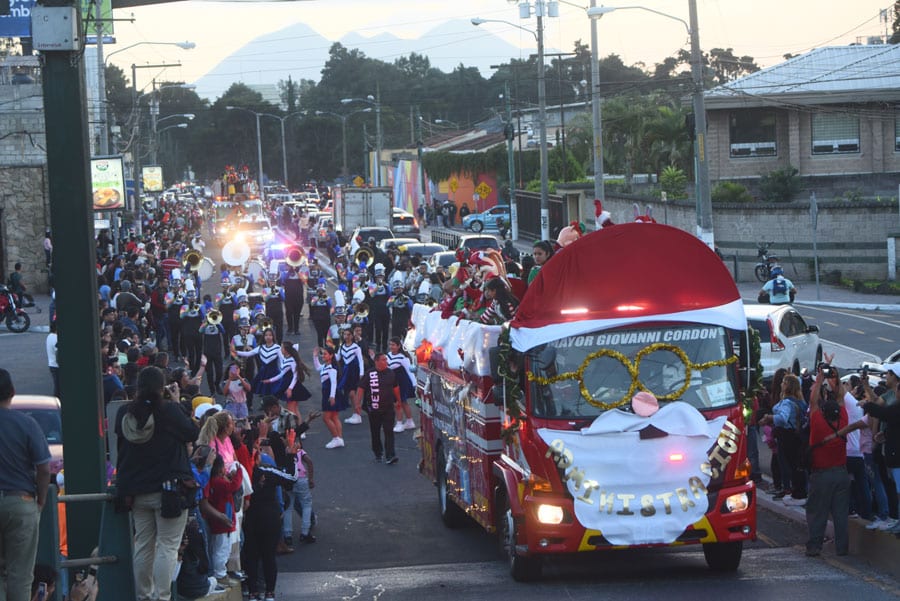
x=42 y=591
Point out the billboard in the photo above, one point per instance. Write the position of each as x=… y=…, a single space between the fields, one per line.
x=108 y=183
x=153 y=179
x=18 y=23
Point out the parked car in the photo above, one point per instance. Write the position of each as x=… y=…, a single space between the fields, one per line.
x=442 y=259
x=320 y=234
x=397 y=242
x=426 y=249
x=786 y=340
x=878 y=367
x=362 y=234
x=478 y=242
x=486 y=221
x=46 y=412
x=404 y=223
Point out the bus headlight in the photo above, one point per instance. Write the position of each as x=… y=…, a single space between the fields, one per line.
x=549 y=514
x=738 y=502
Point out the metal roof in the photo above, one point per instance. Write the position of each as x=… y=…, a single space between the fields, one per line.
x=835 y=74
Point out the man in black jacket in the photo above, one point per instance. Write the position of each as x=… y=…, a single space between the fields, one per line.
x=380 y=393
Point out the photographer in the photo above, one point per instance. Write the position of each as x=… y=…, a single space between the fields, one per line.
x=887 y=410
x=152 y=461
x=829 y=481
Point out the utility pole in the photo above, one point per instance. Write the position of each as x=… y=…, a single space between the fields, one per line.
x=101 y=82
x=75 y=278
x=420 y=151
x=510 y=133
x=701 y=186
x=542 y=117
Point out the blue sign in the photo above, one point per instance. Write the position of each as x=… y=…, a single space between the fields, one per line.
x=18 y=23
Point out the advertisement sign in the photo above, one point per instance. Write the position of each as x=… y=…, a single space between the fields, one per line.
x=152 y=176
x=18 y=23
x=108 y=183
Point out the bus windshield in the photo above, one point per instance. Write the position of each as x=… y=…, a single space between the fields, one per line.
x=582 y=376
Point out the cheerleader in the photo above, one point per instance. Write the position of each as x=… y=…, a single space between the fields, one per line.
x=333 y=399
x=292 y=372
x=398 y=362
x=267 y=353
x=351 y=360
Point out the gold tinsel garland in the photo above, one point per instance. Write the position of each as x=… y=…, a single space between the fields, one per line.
x=633 y=370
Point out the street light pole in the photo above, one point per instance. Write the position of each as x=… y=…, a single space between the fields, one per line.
x=542 y=118
x=511 y=167
x=596 y=108
x=704 y=201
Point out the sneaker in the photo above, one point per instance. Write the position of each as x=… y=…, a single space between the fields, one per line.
x=269 y=597
x=379 y=459
x=332 y=444
x=853 y=515
x=283 y=548
x=398 y=427
x=887 y=524
x=303 y=436
x=793 y=502
x=895 y=529
x=241 y=576
x=874 y=524
x=227 y=582
x=338 y=442
x=356 y=418
x=409 y=425
x=391 y=460
x=307 y=539
x=779 y=494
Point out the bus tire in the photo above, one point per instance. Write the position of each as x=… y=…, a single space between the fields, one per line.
x=451 y=514
x=723 y=557
x=521 y=568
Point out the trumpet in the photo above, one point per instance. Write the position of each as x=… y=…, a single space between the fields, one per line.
x=363 y=255
x=193 y=258
x=294 y=257
x=214 y=317
x=263 y=322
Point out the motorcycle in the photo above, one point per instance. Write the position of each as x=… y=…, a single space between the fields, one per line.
x=767 y=261
x=17 y=320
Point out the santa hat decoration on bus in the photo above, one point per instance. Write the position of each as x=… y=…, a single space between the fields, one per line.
x=602 y=218
x=571 y=233
x=646 y=217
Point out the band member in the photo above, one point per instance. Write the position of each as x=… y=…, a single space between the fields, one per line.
x=293 y=300
x=401 y=310
x=379 y=314
x=191 y=338
x=244 y=341
x=275 y=305
x=214 y=340
x=320 y=313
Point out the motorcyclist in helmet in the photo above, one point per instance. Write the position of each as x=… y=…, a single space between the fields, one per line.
x=779 y=289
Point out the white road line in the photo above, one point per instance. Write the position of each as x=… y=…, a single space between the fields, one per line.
x=856 y=331
x=883 y=339
x=872 y=319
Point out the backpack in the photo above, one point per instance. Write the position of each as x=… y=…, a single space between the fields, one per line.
x=779 y=286
x=803 y=429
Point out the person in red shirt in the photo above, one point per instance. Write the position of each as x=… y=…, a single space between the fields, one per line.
x=220 y=493
x=829 y=481
x=167 y=263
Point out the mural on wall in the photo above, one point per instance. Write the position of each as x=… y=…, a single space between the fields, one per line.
x=479 y=193
x=407 y=185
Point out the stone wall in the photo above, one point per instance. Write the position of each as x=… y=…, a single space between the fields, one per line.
x=25 y=217
x=851 y=236
x=22 y=125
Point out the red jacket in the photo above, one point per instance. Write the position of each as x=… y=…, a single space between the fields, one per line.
x=220 y=492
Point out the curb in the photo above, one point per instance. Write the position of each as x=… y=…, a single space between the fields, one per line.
x=878 y=549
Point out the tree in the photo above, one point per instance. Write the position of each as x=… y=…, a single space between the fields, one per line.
x=728 y=67
x=895 y=26
x=669 y=141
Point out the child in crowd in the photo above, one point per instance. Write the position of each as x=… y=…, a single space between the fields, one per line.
x=236 y=387
x=303 y=469
x=220 y=492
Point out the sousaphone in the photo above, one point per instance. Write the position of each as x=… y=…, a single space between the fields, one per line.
x=294 y=256
x=235 y=253
x=363 y=255
x=214 y=317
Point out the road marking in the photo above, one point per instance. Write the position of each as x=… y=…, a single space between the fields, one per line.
x=856 y=331
x=883 y=339
x=832 y=324
x=769 y=541
x=875 y=358
x=872 y=319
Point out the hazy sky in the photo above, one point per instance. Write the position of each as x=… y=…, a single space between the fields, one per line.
x=763 y=29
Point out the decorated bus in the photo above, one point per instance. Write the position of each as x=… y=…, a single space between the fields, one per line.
x=607 y=414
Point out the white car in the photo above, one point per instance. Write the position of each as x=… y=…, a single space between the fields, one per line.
x=786 y=340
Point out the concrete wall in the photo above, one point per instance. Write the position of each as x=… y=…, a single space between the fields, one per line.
x=851 y=236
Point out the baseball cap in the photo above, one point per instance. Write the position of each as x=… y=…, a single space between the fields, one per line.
x=202 y=408
x=893 y=367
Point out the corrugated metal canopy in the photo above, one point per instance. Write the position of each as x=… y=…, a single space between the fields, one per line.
x=825 y=75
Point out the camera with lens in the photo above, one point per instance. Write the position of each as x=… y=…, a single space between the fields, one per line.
x=827 y=370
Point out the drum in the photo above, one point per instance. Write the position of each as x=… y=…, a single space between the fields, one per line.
x=256 y=270
x=206 y=269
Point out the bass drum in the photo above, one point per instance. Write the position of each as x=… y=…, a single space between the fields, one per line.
x=206 y=269
x=256 y=270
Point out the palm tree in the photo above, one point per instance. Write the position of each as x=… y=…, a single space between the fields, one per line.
x=668 y=139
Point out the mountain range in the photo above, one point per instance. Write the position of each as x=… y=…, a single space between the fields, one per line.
x=299 y=51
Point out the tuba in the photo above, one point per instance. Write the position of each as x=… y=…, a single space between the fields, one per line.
x=363 y=255
x=193 y=258
x=214 y=317
x=294 y=257
x=264 y=322
x=236 y=253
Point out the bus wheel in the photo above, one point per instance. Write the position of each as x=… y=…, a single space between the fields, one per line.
x=451 y=514
x=723 y=557
x=521 y=568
